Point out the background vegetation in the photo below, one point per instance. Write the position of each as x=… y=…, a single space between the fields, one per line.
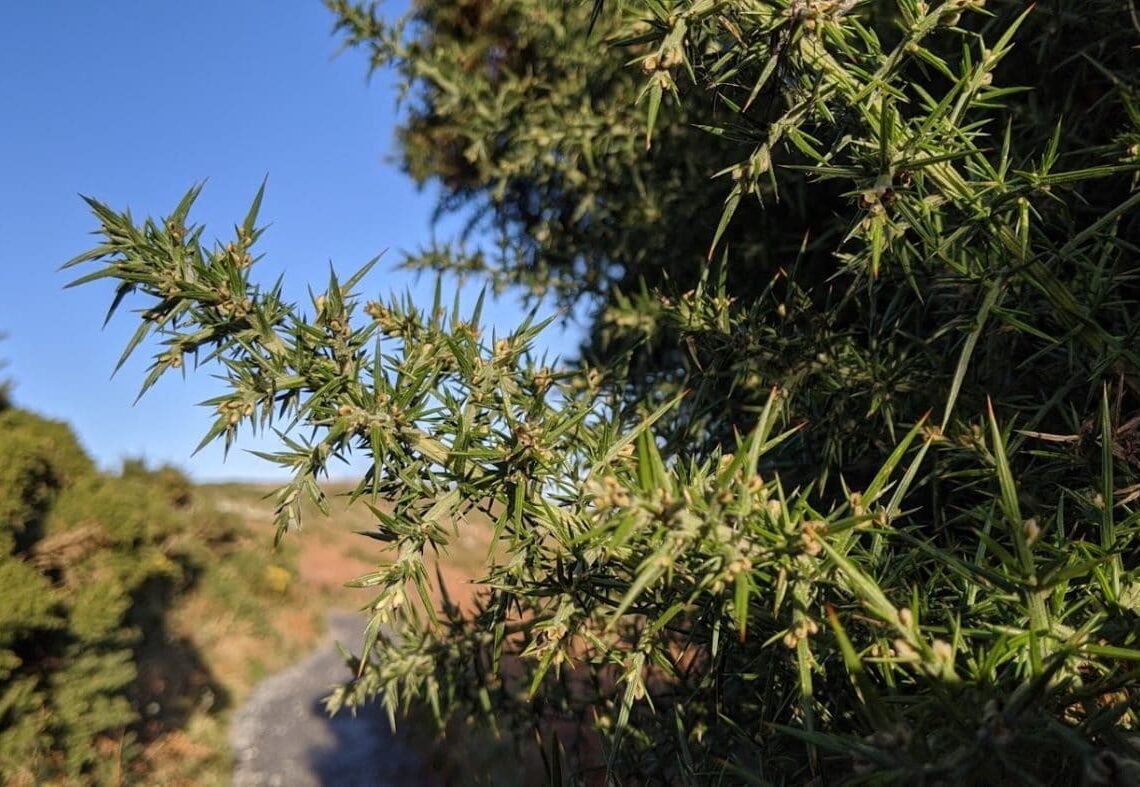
x=844 y=484
x=135 y=614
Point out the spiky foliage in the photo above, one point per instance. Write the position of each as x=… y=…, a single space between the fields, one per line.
x=845 y=487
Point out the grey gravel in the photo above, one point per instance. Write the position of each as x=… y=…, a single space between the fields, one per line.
x=282 y=736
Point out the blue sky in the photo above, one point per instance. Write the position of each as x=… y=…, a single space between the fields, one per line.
x=132 y=102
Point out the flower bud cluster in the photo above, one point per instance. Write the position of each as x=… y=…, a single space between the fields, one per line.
x=234 y=308
x=973 y=438
x=811 y=532
x=332 y=315
x=236 y=254
x=737 y=562
x=950 y=13
x=660 y=64
x=233 y=410
x=168 y=285
x=388 y=604
x=384 y=416
x=804 y=629
x=811 y=13
x=176 y=230
x=528 y=442
x=389 y=323
x=505 y=353
x=758 y=163
x=541 y=381
x=590 y=381
x=608 y=493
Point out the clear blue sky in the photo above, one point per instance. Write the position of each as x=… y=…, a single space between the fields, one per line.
x=133 y=101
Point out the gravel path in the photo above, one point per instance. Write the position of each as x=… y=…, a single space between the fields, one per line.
x=282 y=736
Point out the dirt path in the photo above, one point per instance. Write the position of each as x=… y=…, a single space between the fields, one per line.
x=282 y=735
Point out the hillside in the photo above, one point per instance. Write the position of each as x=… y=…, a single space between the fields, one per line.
x=141 y=610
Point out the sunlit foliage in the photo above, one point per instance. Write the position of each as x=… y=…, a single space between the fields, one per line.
x=844 y=485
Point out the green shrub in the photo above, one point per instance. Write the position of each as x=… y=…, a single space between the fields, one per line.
x=89 y=565
x=844 y=485
x=40 y=458
x=171 y=481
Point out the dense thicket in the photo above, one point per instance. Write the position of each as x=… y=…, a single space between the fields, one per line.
x=89 y=567
x=844 y=486
x=538 y=133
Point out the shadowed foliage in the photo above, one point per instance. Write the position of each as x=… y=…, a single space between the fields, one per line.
x=90 y=566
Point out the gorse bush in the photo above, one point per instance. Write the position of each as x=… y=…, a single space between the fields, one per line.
x=88 y=566
x=844 y=485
